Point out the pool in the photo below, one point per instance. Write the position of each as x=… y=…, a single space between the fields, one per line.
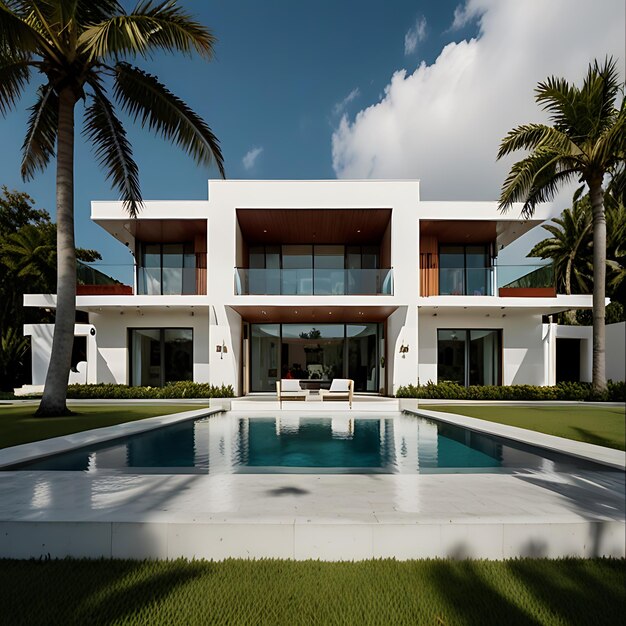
x=232 y=444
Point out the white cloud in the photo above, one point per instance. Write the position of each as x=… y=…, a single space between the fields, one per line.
x=340 y=106
x=415 y=35
x=443 y=123
x=251 y=157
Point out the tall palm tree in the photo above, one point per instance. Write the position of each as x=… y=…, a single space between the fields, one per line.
x=78 y=46
x=586 y=142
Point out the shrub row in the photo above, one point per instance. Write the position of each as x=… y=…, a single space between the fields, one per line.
x=616 y=392
x=180 y=389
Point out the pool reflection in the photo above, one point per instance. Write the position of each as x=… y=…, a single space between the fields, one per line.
x=225 y=444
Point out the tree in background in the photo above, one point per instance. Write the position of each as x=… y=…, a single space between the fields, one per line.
x=585 y=142
x=27 y=265
x=78 y=46
x=571 y=251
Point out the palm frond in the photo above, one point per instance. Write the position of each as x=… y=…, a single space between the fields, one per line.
x=16 y=35
x=526 y=175
x=149 y=27
x=546 y=185
x=531 y=136
x=14 y=74
x=145 y=98
x=610 y=147
x=113 y=149
x=40 y=141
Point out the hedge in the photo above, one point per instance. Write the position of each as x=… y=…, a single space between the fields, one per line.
x=616 y=392
x=180 y=389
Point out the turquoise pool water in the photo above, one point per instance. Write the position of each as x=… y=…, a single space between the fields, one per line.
x=230 y=444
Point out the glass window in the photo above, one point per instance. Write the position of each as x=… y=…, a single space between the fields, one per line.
x=160 y=355
x=469 y=357
x=464 y=270
x=362 y=356
x=264 y=343
x=167 y=269
x=297 y=274
x=329 y=270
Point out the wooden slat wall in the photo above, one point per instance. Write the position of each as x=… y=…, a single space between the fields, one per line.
x=429 y=266
x=199 y=246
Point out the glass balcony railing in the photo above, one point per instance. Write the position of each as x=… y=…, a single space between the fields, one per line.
x=485 y=281
x=538 y=276
x=465 y=281
x=102 y=279
x=166 y=281
x=294 y=282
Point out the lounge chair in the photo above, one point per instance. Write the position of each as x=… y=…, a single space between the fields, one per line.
x=340 y=389
x=289 y=389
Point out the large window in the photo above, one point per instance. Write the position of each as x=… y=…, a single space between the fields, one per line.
x=465 y=270
x=160 y=355
x=469 y=357
x=315 y=269
x=166 y=269
x=317 y=352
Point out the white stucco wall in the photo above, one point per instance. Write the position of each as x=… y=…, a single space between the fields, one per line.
x=41 y=347
x=216 y=323
x=615 y=349
x=522 y=343
x=112 y=335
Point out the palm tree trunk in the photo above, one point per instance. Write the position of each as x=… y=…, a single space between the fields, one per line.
x=53 y=402
x=570 y=316
x=596 y=195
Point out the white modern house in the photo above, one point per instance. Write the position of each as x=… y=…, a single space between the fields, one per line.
x=314 y=280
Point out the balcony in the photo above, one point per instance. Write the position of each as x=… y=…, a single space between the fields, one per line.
x=526 y=281
x=296 y=282
x=95 y=279
x=521 y=281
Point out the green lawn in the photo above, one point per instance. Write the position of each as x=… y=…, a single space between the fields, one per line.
x=19 y=425
x=604 y=426
x=480 y=593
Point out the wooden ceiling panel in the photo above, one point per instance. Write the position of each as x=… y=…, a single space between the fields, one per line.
x=166 y=231
x=299 y=226
x=314 y=314
x=457 y=231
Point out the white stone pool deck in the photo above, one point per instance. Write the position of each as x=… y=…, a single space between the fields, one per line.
x=328 y=517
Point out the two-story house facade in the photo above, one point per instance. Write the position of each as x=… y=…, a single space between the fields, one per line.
x=315 y=280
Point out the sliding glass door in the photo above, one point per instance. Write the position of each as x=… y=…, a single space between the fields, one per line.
x=469 y=357
x=319 y=353
x=160 y=355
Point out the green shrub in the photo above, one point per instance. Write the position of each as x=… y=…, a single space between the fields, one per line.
x=562 y=391
x=180 y=389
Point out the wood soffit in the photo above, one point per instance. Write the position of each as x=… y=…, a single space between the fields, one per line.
x=314 y=314
x=306 y=226
x=457 y=231
x=167 y=231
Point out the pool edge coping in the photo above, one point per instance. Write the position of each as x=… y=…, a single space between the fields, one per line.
x=611 y=457
x=34 y=450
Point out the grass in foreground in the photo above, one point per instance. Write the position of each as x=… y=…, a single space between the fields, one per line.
x=603 y=426
x=18 y=424
x=571 y=591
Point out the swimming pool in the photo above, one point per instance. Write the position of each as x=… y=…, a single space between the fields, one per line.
x=232 y=444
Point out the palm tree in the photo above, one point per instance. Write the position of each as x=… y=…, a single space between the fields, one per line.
x=78 y=47
x=586 y=142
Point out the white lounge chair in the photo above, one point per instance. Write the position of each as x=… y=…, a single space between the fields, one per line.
x=340 y=389
x=289 y=389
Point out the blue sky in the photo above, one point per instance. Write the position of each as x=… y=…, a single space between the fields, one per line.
x=313 y=88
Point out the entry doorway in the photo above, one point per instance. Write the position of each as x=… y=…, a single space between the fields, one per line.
x=316 y=352
x=567 y=360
